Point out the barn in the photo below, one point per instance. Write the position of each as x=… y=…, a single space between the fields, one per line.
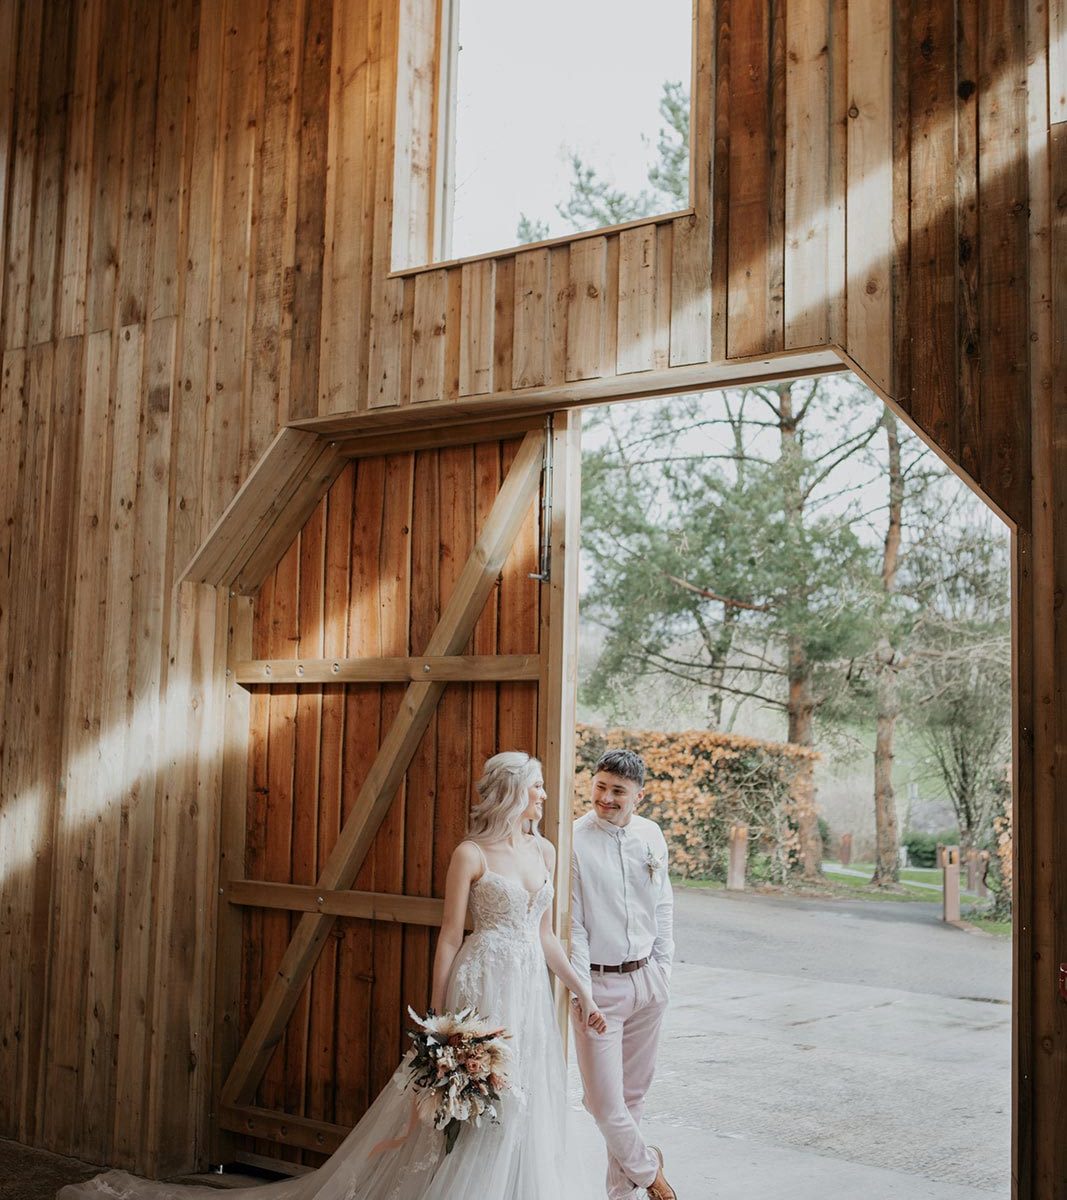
x=289 y=500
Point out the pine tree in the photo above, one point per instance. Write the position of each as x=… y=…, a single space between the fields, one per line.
x=593 y=202
x=730 y=572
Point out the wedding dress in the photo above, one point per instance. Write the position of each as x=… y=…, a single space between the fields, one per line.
x=500 y=970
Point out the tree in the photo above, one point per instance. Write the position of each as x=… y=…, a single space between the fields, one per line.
x=593 y=202
x=531 y=230
x=732 y=571
x=886 y=666
x=960 y=685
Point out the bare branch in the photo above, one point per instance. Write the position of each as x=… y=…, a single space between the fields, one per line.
x=709 y=595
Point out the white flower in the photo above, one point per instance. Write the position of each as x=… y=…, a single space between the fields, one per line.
x=653 y=864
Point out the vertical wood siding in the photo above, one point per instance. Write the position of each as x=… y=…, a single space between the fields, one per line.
x=196 y=226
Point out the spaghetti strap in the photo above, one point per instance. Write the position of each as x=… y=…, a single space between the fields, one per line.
x=481 y=854
x=542 y=841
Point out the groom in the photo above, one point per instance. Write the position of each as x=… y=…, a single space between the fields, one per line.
x=622 y=913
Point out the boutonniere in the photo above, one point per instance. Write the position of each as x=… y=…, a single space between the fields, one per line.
x=652 y=864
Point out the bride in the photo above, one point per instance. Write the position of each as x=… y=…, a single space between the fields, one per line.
x=504 y=872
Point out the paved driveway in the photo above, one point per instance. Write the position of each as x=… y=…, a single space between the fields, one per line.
x=830 y=1050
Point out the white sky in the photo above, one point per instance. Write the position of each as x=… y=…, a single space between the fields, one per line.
x=857 y=487
x=537 y=81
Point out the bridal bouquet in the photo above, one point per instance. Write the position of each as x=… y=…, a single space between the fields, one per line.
x=458 y=1067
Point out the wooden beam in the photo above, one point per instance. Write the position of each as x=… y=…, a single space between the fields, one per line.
x=277 y=1127
x=267 y=512
x=453 y=631
x=741 y=371
x=456 y=434
x=559 y=685
x=287 y=517
x=285 y=457
x=458 y=668
x=367 y=906
x=266 y=1162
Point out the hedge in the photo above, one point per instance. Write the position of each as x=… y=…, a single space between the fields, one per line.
x=699 y=783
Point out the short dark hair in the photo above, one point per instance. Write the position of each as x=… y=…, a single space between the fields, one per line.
x=627 y=764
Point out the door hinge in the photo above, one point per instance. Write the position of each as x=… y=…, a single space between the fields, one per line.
x=544 y=573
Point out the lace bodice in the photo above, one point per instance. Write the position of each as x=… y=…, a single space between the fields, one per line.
x=501 y=965
x=500 y=904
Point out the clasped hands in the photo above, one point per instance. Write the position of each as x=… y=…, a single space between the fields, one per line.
x=589 y=1014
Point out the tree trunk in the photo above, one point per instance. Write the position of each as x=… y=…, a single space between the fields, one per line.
x=886 y=833
x=887 y=837
x=720 y=653
x=801 y=712
x=801 y=702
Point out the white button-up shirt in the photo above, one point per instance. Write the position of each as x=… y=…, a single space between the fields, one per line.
x=622 y=905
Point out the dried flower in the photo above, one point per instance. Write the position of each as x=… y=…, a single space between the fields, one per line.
x=457 y=1065
x=654 y=864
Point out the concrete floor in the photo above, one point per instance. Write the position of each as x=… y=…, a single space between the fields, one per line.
x=816 y=1050
x=830 y=1050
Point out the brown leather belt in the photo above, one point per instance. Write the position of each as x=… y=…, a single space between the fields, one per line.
x=622 y=969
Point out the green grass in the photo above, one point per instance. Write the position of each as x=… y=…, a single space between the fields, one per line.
x=1000 y=928
x=860 y=889
x=840 y=886
x=700 y=885
x=836 y=884
x=910 y=874
x=981 y=919
x=921 y=874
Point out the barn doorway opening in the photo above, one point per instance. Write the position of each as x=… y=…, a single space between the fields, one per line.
x=801 y=617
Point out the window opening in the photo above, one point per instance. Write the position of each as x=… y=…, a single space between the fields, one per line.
x=559 y=119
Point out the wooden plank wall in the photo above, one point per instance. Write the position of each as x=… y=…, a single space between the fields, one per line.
x=368 y=577
x=195 y=242
x=137 y=391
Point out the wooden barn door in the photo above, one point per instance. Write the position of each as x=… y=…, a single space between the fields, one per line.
x=423 y=619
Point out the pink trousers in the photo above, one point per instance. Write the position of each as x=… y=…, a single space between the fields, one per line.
x=617 y=1069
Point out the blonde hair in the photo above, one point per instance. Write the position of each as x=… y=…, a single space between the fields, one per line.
x=503 y=796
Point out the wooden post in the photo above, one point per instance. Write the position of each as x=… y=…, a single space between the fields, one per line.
x=845 y=852
x=559 y=662
x=948 y=858
x=735 y=875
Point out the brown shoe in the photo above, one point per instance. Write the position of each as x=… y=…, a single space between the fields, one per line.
x=659 y=1188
